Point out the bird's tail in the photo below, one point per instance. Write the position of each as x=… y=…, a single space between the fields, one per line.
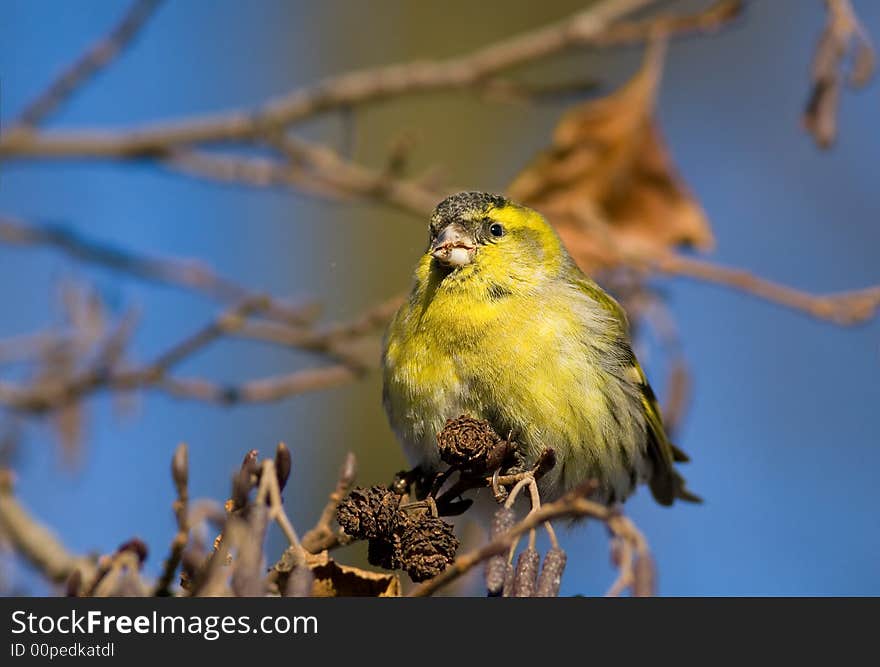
x=667 y=484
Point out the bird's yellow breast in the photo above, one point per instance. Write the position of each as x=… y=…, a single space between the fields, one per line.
x=518 y=360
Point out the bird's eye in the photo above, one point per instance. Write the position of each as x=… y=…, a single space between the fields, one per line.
x=496 y=229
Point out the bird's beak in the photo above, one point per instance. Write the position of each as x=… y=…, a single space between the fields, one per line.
x=453 y=246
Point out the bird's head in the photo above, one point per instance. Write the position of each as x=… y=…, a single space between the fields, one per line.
x=476 y=234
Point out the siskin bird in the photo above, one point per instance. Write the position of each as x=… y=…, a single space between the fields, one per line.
x=501 y=325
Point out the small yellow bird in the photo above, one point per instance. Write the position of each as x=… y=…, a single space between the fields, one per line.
x=501 y=325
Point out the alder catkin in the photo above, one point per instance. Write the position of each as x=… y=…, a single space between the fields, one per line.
x=509 y=572
x=550 y=578
x=496 y=566
x=526 y=575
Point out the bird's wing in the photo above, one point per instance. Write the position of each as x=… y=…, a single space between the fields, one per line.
x=666 y=483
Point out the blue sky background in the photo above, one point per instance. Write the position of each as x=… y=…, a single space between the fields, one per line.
x=783 y=430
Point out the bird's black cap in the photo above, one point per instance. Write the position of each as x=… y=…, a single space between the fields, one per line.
x=465 y=206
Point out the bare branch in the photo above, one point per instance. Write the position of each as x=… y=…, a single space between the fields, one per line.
x=63 y=391
x=845 y=308
x=334 y=342
x=35 y=542
x=344 y=91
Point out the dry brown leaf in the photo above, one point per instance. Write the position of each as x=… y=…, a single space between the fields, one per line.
x=335 y=580
x=608 y=183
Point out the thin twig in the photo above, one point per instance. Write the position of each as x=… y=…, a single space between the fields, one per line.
x=269 y=492
x=180 y=475
x=708 y=20
x=351 y=179
x=264 y=390
x=97 y=57
x=323 y=536
x=325 y=340
x=632 y=557
x=259 y=172
x=843 y=35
